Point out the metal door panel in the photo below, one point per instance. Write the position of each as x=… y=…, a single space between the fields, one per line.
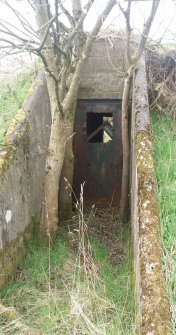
x=97 y=165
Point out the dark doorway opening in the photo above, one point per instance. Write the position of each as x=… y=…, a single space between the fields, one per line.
x=98 y=151
x=99 y=127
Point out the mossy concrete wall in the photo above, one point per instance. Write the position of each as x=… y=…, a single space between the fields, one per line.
x=22 y=166
x=152 y=306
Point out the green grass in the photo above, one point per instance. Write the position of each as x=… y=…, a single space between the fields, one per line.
x=117 y=284
x=63 y=291
x=12 y=96
x=164 y=133
x=30 y=291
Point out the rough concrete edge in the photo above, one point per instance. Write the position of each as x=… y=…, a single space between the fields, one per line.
x=15 y=133
x=40 y=80
x=134 y=221
x=18 y=128
x=152 y=305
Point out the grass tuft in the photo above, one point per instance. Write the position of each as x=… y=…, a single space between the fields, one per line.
x=164 y=132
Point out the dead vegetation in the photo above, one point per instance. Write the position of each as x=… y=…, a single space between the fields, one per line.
x=161 y=66
x=103 y=223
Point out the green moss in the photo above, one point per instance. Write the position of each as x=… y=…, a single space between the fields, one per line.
x=65 y=212
x=5 y=161
x=7 y=314
x=16 y=136
x=40 y=82
x=71 y=157
x=12 y=96
x=13 y=252
x=15 y=123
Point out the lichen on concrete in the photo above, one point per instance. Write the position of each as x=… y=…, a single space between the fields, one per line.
x=153 y=310
x=13 y=253
x=5 y=157
x=155 y=306
x=15 y=123
x=17 y=131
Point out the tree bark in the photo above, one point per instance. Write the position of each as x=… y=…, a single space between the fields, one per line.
x=54 y=163
x=125 y=145
x=132 y=61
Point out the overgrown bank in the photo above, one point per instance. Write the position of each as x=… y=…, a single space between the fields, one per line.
x=12 y=96
x=164 y=137
x=75 y=287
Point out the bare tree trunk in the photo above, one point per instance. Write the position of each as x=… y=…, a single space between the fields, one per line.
x=53 y=170
x=132 y=61
x=76 y=9
x=61 y=133
x=125 y=144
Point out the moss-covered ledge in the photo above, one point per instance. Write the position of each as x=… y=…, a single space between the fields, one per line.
x=18 y=131
x=153 y=312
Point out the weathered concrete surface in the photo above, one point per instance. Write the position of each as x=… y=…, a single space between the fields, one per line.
x=152 y=307
x=22 y=163
x=37 y=109
x=103 y=75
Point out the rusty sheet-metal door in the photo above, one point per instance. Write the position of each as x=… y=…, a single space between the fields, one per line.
x=97 y=151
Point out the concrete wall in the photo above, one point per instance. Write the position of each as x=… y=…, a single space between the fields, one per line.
x=103 y=75
x=152 y=307
x=22 y=162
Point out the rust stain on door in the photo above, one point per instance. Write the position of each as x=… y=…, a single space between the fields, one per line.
x=97 y=151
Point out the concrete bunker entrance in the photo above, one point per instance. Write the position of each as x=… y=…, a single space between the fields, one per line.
x=98 y=151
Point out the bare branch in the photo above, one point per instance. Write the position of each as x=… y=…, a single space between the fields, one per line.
x=45 y=35
x=6 y=24
x=76 y=10
x=31 y=4
x=48 y=24
x=20 y=46
x=56 y=13
x=9 y=32
x=81 y=20
x=128 y=29
x=64 y=28
x=146 y=30
x=56 y=81
x=125 y=102
x=66 y=12
x=26 y=25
